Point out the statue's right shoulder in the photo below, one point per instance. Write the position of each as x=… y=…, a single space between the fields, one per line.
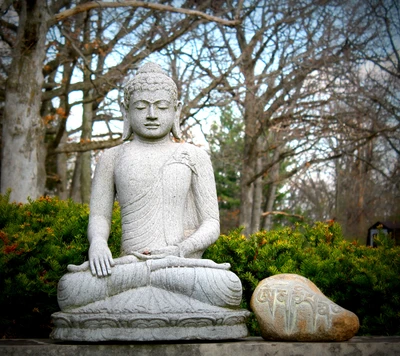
x=111 y=153
x=109 y=157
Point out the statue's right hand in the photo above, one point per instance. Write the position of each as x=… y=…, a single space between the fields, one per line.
x=100 y=259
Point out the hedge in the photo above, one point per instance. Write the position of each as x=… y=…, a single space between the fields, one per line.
x=37 y=242
x=362 y=279
x=39 y=239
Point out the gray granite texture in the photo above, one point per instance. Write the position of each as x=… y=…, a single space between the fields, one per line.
x=357 y=346
x=159 y=288
x=290 y=307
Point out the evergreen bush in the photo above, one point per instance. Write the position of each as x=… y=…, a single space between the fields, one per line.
x=39 y=239
x=37 y=242
x=362 y=279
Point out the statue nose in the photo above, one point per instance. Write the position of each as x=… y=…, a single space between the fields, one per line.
x=150 y=113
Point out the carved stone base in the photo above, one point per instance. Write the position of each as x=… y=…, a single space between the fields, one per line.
x=150 y=327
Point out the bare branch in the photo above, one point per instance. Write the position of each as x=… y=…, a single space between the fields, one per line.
x=282 y=213
x=147 y=5
x=85 y=146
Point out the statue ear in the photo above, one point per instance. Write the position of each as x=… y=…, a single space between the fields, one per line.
x=176 y=128
x=127 y=130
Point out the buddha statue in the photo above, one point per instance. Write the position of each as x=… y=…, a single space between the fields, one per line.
x=159 y=288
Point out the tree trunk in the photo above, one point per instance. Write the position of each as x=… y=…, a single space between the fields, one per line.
x=270 y=199
x=338 y=188
x=87 y=120
x=270 y=206
x=257 y=200
x=75 y=192
x=62 y=190
x=246 y=202
x=246 y=190
x=23 y=128
x=250 y=153
x=86 y=161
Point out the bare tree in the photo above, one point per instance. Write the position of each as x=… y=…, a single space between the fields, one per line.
x=23 y=138
x=368 y=174
x=123 y=38
x=317 y=88
x=290 y=74
x=283 y=62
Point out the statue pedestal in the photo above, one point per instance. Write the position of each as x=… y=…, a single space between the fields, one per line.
x=149 y=314
x=149 y=327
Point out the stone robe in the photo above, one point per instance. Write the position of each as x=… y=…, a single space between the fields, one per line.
x=170 y=201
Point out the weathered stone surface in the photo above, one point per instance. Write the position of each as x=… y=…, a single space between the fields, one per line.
x=159 y=288
x=147 y=327
x=291 y=307
x=252 y=346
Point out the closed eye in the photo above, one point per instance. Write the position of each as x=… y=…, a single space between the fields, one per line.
x=163 y=105
x=140 y=107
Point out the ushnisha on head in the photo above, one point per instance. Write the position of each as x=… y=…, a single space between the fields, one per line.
x=150 y=77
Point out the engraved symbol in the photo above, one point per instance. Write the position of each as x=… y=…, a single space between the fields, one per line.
x=282 y=295
x=336 y=308
x=298 y=297
x=323 y=308
x=263 y=295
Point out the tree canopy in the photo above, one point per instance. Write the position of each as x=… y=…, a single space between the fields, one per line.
x=299 y=100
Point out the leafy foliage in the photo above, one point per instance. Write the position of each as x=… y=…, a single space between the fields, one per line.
x=37 y=242
x=362 y=279
x=39 y=239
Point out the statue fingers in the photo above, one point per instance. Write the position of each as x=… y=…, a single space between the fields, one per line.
x=107 y=263
x=141 y=256
x=105 y=266
x=98 y=269
x=111 y=261
x=92 y=267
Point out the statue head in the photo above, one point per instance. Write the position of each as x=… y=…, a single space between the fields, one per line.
x=150 y=81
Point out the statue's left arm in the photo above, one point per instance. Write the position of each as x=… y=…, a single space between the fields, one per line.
x=206 y=204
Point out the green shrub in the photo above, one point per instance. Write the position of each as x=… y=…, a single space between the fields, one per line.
x=362 y=279
x=37 y=242
x=39 y=239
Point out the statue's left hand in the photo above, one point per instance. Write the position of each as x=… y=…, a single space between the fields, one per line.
x=167 y=251
x=157 y=254
x=100 y=259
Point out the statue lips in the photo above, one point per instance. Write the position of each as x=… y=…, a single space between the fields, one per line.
x=152 y=125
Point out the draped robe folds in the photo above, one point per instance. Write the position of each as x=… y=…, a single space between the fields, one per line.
x=159 y=211
x=168 y=202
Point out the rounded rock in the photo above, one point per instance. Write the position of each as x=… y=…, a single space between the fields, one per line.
x=290 y=307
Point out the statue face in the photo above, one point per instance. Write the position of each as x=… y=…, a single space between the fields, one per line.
x=152 y=113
